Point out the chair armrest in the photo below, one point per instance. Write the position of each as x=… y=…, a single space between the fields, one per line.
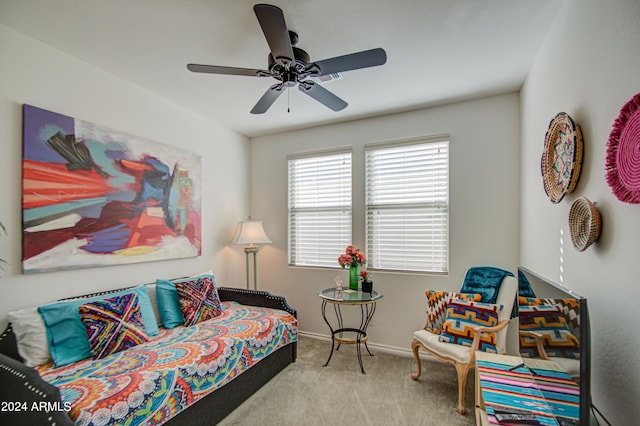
x=29 y=399
x=477 y=331
x=539 y=339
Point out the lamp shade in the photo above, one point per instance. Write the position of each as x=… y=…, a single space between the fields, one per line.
x=251 y=232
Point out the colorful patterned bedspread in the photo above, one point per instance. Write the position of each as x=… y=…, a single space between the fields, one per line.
x=152 y=382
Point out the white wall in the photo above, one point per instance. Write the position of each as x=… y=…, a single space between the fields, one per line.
x=589 y=67
x=34 y=73
x=484 y=206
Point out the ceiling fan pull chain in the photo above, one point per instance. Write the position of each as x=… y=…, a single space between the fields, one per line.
x=288 y=101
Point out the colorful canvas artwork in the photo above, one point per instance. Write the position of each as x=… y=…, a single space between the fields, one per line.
x=94 y=196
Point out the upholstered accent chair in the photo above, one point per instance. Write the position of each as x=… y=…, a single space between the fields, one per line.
x=461 y=352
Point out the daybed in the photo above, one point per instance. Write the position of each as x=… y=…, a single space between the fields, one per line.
x=188 y=375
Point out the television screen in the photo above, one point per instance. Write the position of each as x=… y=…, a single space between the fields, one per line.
x=578 y=361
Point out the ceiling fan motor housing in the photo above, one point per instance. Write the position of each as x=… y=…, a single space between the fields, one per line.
x=302 y=58
x=295 y=70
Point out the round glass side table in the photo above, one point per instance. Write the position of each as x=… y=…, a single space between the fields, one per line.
x=366 y=302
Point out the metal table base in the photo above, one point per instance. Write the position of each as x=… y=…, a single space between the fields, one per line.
x=367 y=303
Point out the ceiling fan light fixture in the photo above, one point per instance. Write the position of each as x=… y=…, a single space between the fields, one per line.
x=292 y=66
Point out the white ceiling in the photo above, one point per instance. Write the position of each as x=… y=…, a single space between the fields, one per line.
x=438 y=51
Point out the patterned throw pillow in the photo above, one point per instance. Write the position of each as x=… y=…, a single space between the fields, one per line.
x=548 y=320
x=113 y=324
x=199 y=300
x=462 y=316
x=437 y=307
x=569 y=307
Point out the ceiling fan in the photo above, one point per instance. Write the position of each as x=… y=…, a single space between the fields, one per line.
x=292 y=66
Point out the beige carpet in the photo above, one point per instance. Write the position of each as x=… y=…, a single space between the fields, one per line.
x=307 y=394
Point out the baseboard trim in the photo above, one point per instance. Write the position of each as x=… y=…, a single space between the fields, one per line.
x=391 y=350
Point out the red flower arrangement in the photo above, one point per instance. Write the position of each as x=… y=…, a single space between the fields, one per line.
x=365 y=276
x=352 y=257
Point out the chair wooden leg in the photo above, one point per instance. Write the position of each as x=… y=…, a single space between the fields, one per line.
x=463 y=372
x=415 y=346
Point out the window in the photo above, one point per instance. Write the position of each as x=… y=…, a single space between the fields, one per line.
x=407 y=196
x=319 y=208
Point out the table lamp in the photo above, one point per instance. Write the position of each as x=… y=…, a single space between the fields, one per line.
x=249 y=234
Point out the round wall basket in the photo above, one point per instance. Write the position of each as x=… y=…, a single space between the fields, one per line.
x=585 y=223
x=622 y=163
x=562 y=157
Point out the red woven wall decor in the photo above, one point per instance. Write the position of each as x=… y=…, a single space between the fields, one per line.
x=622 y=163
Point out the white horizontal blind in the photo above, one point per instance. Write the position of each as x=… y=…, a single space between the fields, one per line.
x=407 y=189
x=319 y=208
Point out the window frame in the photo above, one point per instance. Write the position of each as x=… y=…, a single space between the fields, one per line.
x=329 y=263
x=430 y=270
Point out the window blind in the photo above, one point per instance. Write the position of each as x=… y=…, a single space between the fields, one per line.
x=319 y=208
x=407 y=196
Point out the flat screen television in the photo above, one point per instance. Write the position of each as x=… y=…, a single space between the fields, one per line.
x=545 y=288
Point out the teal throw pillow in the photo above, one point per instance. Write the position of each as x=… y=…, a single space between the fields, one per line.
x=168 y=304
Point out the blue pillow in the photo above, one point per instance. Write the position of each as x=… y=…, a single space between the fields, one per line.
x=67 y=336
x=168 y=304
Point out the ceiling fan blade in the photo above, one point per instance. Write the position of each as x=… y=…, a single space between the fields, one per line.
x=274 y=27
x=214 y=69
x=268 y=99
x=322 y=95
x=353 y=61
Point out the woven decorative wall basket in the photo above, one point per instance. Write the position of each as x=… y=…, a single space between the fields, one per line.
x=585 y=223
x=622 y=163
x=562 y=157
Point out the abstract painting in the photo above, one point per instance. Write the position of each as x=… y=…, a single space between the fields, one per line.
x=94 y=196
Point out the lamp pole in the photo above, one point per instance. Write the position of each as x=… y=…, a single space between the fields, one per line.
x=252 y=251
